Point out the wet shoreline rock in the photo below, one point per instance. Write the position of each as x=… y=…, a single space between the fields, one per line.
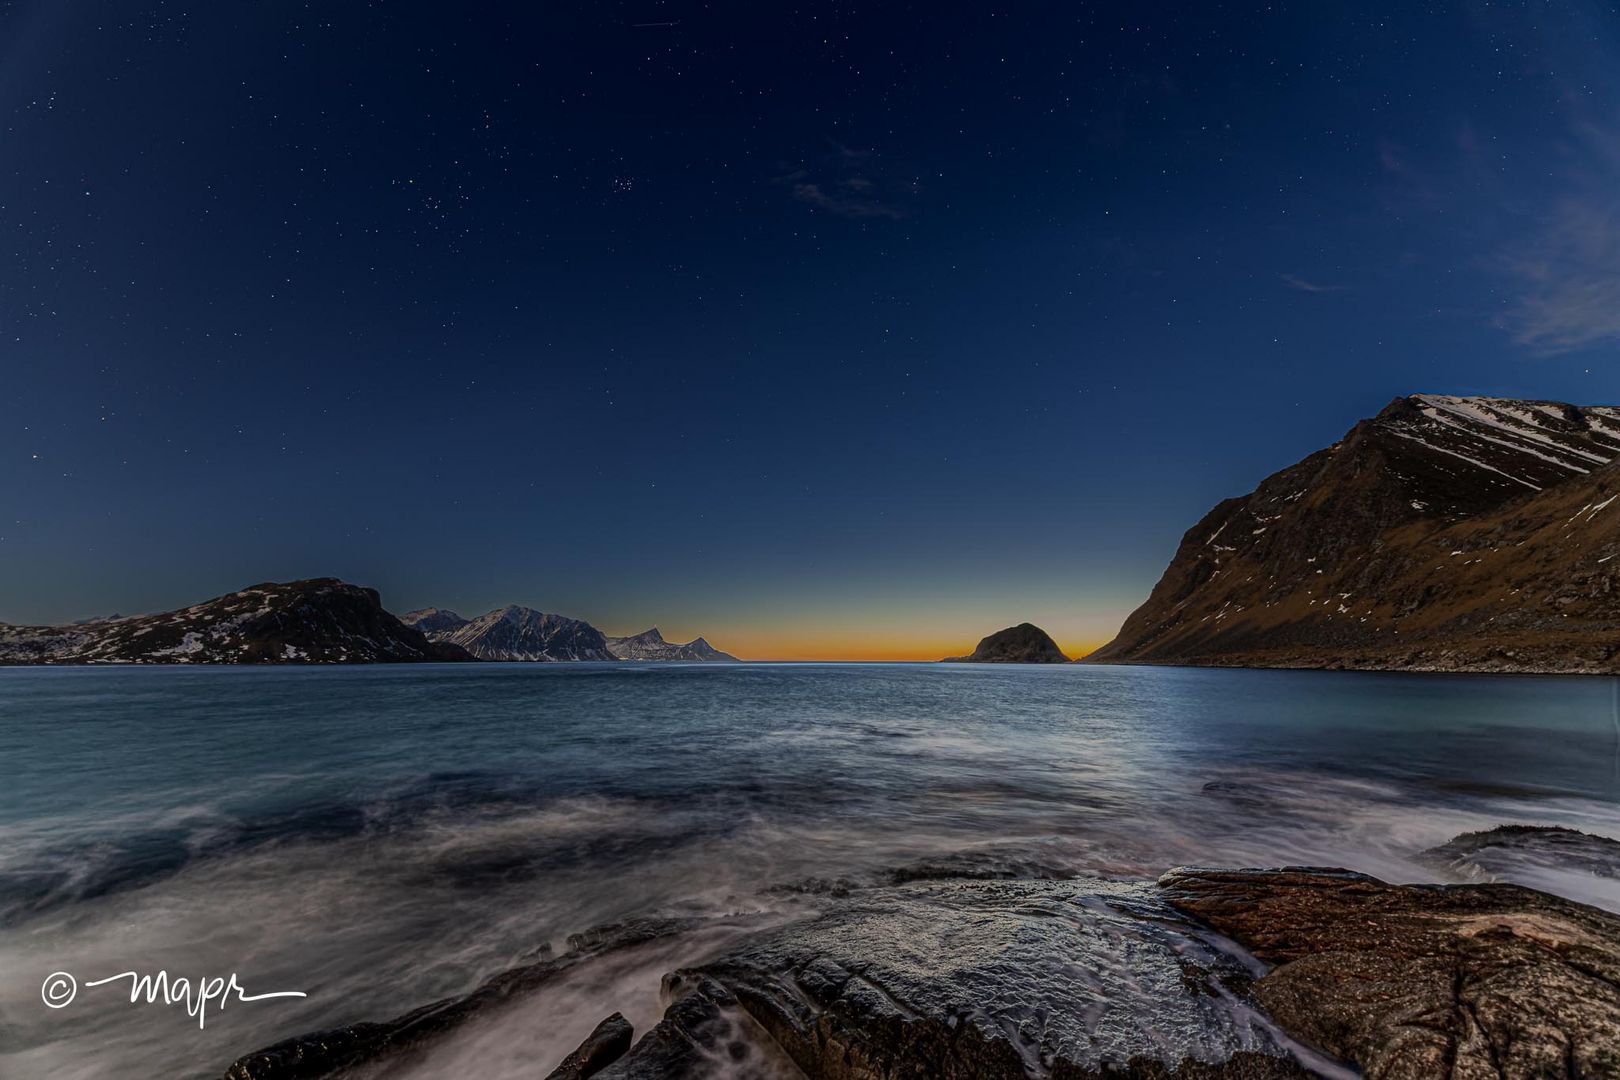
x=1411 y=982
x=1087 y=978
x=1507 y=851
x=607 y=1043
x=355 y=1049
x=963 y=980
x=703 y=1034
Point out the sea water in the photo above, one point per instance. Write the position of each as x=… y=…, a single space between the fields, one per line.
x=378 y=837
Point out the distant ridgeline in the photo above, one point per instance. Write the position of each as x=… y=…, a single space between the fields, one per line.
x=520 y=633
x=324 y=620
x=1444 y=534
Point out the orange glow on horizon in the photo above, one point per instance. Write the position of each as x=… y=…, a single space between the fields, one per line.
x=868 y=651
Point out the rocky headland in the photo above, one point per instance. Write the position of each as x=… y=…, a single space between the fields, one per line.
x=318 y=620
x=1443 y=534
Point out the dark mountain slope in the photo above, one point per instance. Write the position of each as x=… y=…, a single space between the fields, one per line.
x=1443 y=534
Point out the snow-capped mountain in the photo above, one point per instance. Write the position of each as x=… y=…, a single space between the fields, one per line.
x=650 y=645
x=1452 y=533
x=433 y=620
x=520 y=633
x=320 y=620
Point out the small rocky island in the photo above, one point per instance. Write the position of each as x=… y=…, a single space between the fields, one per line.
x=1025 y=643
x=961 y=973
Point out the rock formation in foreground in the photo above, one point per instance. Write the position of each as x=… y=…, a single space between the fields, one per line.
x=1444 y=534
x=1412 y=981
x=1508 y=852
x=1021 y=644
x=520 y=633
x=650 y=645
x=1082 y=979
x=320 y=620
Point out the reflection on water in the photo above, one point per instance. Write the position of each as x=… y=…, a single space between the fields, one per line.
x=381 y=836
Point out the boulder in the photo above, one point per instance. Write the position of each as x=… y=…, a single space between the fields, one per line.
x=1416 y=982
x=605 y=1044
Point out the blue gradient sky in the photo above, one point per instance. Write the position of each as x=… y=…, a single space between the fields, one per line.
x=825 y=331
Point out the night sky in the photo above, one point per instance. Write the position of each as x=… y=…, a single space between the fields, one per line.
x=820 y=330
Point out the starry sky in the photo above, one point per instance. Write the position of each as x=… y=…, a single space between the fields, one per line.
x=819 y=329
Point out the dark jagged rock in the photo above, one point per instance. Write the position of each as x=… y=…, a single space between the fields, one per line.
x=433 y=620
x=703 y=1035
x=370 y=1045
x=1415 y=982
x=1508 y=851
x=650 y=645
x=1444 y=534
x=977 y=866
x=320 y=620
x=606 y=1044
x=1021 y=644
x=520 y=633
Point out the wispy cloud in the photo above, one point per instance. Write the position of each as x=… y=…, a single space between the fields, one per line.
x=1570 y=279
x=847 y=200
x=851 y=183
x=1302 y=285
x=1568 y=268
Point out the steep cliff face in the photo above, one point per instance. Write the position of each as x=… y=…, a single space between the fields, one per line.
x=1443 y=534
x=321 y=620
x=650 y=645
x=520 y=633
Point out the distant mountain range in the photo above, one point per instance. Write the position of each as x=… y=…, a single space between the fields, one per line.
x=1445 y=534
x=321 y=620
x=433 y=620
x=520 y=633
x=324 y=620
x=650 y=645
x=515 y=633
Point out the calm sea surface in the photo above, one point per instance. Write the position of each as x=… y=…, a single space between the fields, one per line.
x=380 y=836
